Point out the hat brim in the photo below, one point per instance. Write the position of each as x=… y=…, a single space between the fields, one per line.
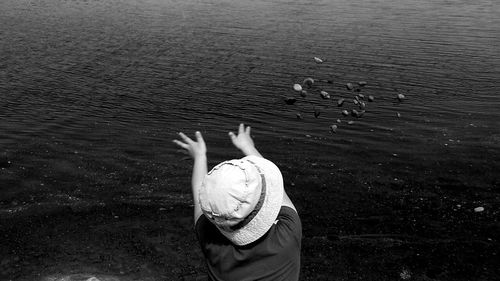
x=270 y=209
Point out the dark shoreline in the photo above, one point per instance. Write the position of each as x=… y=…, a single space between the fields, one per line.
x=349 y=234
x=132 y=242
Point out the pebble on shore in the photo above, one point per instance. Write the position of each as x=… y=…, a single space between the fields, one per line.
x=401 y=97
x=308 y=82
x=299 y=116
x=325 y=95
x=371 y=98
x=362 y=83
x=340 y=102
x=349 y=86
x=303 y=93
x=356 y=113
x=478 y=209
x=333 y=128
x=290 y=100
x=318 y=60
x=297 y=87
x=345 y=112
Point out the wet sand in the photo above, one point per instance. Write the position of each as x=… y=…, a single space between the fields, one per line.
x=351 y=232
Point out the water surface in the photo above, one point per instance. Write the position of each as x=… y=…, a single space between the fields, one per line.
x=93 y=92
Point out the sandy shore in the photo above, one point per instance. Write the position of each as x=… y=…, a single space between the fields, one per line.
x=349 y=234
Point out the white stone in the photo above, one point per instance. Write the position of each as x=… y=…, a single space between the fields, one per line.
x=478 y=209
x=318 y=60
x=297 y=87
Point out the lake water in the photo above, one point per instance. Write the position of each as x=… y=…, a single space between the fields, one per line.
x=93 y=92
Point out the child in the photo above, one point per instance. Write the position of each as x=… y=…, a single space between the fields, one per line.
x=247 y=226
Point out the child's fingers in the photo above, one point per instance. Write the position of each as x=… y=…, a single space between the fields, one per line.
x=247 y=130
x=185 y=138
x=181 y=144
x=241 y=129
x=199 y=137
x=183 y=151
x=232 y=135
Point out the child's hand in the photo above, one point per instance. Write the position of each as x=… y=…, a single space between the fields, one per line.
x=243 y=141
x=195 y=148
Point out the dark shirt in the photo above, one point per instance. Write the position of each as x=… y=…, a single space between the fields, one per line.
x=274 y=256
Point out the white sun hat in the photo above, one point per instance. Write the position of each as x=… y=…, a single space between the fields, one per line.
x=242 y=197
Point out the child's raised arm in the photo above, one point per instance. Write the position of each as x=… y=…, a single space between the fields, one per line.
x=243 y=141
x=198 y=151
